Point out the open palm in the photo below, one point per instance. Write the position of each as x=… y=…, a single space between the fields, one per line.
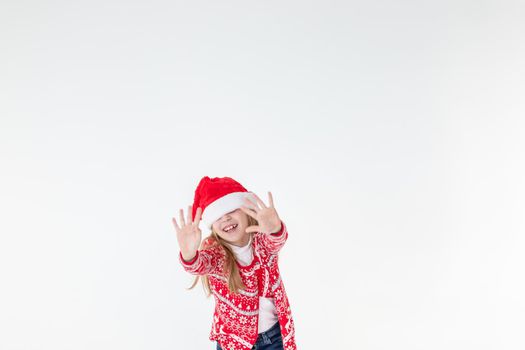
x=267 y=218
x=188 y=233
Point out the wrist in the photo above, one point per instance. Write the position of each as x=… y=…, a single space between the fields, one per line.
x=188 y=257
x=279 y=229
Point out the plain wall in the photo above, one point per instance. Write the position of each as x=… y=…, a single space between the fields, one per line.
x=391 y=134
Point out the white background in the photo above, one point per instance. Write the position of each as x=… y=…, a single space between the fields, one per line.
x=391 y=134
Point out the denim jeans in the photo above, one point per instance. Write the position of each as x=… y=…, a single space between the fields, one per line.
x=267 y=340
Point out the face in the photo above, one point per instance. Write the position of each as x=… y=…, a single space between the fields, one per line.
x=236 y=236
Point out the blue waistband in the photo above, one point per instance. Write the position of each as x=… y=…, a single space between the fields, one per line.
x=275 y=329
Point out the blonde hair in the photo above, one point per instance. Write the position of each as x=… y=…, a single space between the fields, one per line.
x=230 y=267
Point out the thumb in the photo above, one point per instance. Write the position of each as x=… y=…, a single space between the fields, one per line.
x=252 y=229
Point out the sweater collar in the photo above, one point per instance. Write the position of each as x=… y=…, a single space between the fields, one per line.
x=243 y=249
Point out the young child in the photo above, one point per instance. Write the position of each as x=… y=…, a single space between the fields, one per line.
x=238 y=264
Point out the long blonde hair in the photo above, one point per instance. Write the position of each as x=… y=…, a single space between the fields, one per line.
x=230 y=267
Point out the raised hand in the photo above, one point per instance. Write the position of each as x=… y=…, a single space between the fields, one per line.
x=189 y=234
x=267 y=218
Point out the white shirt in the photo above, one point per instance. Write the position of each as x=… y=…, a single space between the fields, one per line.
x=267 y=310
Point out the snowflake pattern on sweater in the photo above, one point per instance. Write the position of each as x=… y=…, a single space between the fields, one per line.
x=235 y=318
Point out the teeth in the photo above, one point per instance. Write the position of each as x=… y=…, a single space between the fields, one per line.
x=229 y=228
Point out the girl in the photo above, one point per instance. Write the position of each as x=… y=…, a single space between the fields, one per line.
x=238 y=264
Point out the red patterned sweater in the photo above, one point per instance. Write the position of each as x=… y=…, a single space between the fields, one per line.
x=235 y=319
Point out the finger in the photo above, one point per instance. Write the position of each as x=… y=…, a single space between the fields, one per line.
x=260 y=201
x=181 y=215
x=198 y=216
x=177 y=228
x=188 y=217
x=253 y=229
x=270 y=199
x=251 y=204
x=249 y=212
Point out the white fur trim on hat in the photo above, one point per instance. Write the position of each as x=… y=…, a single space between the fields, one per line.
x=227 y=203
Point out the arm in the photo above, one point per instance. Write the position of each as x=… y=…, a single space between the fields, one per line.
x=275 y=241
x=204 y=262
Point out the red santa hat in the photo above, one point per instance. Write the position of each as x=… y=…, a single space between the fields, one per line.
x=218 y=196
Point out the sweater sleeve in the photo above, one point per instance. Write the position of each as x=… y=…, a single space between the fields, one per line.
x=275 y=241
x=204 y=262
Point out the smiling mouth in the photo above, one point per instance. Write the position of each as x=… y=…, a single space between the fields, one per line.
x=230 y=228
